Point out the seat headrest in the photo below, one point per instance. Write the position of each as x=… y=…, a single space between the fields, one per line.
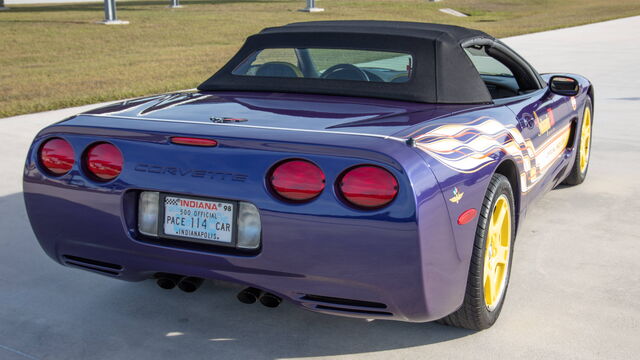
x=278 y=69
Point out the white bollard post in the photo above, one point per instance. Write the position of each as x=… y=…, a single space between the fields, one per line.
x=110 y=15
x=311 y=7
x=175 y=4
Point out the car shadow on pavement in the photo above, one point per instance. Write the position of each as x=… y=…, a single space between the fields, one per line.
x=46 y=308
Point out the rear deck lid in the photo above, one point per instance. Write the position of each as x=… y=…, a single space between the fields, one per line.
x=278 y=110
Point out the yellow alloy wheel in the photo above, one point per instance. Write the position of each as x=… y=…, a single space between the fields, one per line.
x=585 y=140
x=496 y=255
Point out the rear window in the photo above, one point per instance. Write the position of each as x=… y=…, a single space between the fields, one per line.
x=331 y=64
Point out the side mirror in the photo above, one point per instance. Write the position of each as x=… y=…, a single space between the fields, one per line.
x=563 y=85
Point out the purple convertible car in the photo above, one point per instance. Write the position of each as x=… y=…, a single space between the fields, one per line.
x=359 y=168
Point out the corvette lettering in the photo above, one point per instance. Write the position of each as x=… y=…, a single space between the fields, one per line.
x=196 y=173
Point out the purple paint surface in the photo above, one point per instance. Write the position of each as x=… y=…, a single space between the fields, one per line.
x=410 y=256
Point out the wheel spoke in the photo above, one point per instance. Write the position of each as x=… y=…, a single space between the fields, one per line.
x=496 y=284
x=587 y=145
x=497 y=248
x=502 y=216
x=488 y=291
x=500 y=274
x=498 y=215
x=502 y=254
x=585 y=140
x=505 y=233
x=494 y=219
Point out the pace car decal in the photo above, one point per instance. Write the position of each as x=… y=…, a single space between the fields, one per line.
x=471 y=146
x=544 y=122
x=457 y=196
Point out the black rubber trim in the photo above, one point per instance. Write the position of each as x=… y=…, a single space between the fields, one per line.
x=102 y=271
x=341 y=301
x=371 y=312
x=89 y=262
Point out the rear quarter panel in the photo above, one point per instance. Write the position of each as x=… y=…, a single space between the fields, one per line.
x=465 y=149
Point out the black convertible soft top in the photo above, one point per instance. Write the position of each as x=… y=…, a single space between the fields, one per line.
x=442 y=71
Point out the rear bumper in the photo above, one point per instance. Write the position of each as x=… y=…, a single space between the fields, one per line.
x=301 y=255
x=397 y=258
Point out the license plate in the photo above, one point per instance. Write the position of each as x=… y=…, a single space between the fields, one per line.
x=202 y=220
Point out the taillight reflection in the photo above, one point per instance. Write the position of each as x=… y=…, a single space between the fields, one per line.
x=104 y=161
x=297 y=180
x=368 y=187
x=57 y=156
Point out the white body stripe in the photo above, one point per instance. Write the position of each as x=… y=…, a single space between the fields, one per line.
x=468 y=147
x=250 y=126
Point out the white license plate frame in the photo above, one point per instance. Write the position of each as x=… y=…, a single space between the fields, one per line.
x=163 y=218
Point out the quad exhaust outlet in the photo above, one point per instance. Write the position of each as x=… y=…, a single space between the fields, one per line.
x=187 y=284
x=190 y=284
x=269 y=300
x=250 y=295
x=167 y=281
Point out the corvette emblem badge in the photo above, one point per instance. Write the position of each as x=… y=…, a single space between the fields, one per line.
x=457 y=195
x=224 y=120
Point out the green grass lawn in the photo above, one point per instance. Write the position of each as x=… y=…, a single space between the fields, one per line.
x=54 y=56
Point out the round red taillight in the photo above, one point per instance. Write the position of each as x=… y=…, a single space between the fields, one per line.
x=56 y=156
x=104 y=161
x=297 y=180
x=368 y=186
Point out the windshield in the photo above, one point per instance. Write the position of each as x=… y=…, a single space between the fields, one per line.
x=331 y=64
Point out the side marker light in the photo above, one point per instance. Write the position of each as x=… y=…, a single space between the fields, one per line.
x=467 y=216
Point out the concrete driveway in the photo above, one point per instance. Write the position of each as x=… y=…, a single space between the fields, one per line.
x=574 y=294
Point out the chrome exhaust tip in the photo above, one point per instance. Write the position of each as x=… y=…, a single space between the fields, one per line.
x=269 y=300
x=249 y=295
x=190 y=284
x=167 y=281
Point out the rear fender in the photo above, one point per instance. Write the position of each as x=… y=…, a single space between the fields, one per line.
x=464 y=151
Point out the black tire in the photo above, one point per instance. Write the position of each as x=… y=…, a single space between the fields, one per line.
x=577 y=176
x=474 y=314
